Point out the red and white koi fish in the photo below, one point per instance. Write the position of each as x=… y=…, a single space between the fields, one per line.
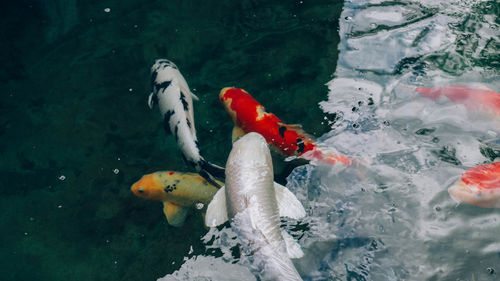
x=171 y=92
x=178 y=192
x=249 y=115
x=472 y=99
x=479 y=186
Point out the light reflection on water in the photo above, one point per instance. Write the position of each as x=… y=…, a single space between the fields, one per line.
x=391 y=218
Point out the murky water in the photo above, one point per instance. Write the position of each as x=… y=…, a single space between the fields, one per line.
x=76 y=133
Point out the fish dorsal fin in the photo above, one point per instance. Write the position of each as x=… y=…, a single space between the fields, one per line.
x=237 y=133
x=176 y=215
x=217 y=210
x=292 y=247
x=288 y=204
x=291 y=126
x=184 y=86
x=188 y=92
x=297 y=128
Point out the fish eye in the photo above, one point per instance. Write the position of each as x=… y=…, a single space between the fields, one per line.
x=140 y=190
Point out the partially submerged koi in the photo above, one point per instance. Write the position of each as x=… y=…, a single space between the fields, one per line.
x=249 y=115
x=471 y=98
x=479 y=186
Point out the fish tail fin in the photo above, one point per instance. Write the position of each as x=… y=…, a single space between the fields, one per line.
x=211 y=171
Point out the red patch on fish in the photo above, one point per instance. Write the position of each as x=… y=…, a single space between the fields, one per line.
x=483 y=176
x=171 y=173
x=472 y=99
x=250 y=116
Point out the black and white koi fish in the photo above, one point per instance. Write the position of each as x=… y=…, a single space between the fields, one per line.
x=175 y=100
x=253 y=204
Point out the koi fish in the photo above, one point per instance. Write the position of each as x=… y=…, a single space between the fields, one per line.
x=171 y=92
x=179 y=192
x=472 y=99
x=254 y=204
x=249 y=115
x=479 y=186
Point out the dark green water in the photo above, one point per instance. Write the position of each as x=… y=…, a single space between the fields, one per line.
x=74 y=83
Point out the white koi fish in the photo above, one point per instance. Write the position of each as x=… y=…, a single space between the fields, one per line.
x=254 y=203
x=171 y=92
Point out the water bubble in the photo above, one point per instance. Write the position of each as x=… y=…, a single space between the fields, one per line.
x=26 y=233
x=60 y=206
x=32 y=218
x=130 y=89
x=199 y=206
x=490 y=270
x=116 y=171
x=107 y=10
x=62 y=177
x=116 y=262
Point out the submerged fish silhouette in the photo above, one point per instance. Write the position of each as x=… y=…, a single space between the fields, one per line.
x=471 y=98
x=479 y=186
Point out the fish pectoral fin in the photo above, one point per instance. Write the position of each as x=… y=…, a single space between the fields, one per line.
x=151 y=100
x=288 y=204
x=237 y=133
x=188 y=92
x=176 y=215
x=293 y=248
x=217 y=210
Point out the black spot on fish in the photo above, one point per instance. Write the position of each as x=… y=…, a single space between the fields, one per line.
x=167 y=63
x=184 y=102
x=166 y=121
x=154 y=99
x=282 y=130
x=169 y=188
x=176 y=130
x=188 y=123
x=162 y=85
x=153 y=79
x=301 y=145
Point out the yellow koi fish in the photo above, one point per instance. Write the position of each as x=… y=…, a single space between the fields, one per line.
x=178 y=191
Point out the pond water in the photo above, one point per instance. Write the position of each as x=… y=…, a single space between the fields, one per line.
x=76 y=132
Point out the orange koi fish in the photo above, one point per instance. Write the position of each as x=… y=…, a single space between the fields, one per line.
x=472 y=99
x=178 y=191
x=249 y=115
x=479 y=186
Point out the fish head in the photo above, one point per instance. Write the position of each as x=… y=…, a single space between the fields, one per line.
x=250 y=150
x=149 y=187
x=241 y=106
x=161 y=64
